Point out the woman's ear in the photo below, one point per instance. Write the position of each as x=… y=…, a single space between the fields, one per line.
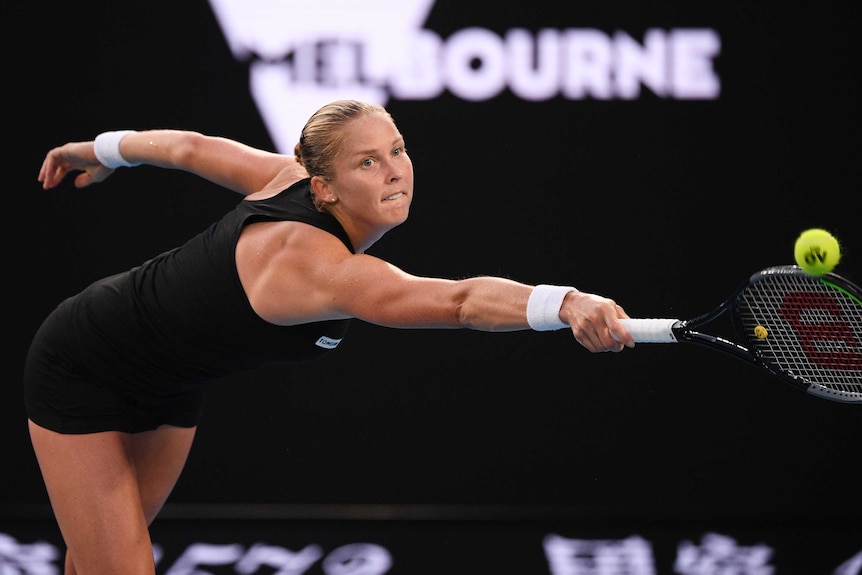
x=322 y=190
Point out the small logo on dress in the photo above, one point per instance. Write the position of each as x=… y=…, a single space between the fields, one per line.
x=327 y=342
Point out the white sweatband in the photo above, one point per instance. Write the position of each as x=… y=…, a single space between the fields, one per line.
x=107 y=148
x=543 y=307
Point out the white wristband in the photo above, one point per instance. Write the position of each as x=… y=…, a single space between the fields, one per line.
x=543 y=307
x=107 y=148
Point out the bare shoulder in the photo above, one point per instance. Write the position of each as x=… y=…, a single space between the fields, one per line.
x=288 y=175
x=295 y=273
x=283 y=267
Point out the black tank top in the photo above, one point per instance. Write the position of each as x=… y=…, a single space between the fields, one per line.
x=182 y=318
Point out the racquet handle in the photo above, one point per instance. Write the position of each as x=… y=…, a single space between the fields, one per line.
x=652 y=330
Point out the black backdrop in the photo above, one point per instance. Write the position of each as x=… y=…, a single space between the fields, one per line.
x=663 y=204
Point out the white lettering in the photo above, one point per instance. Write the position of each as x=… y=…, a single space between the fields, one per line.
x=27 y=558
x=198 y=554
x=722 y=554
x=474 y=64
x=598 y=556
x=637 y=65
x=309 y=53
x=587 y=62
x=419 y=76
x=358 y=559
x=692 y=52
x=327 y=342
x=577 y=63
x=287 y=562
x=534 y=67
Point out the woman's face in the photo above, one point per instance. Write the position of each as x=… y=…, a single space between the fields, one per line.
x=373 y=175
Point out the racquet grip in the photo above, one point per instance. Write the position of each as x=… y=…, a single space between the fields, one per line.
x=652 y=330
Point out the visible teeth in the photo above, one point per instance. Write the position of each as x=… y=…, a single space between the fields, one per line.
x=394 y=196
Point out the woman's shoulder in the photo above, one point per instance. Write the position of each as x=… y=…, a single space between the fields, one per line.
x=288 y=176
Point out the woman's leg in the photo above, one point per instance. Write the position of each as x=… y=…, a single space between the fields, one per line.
x=105 y=488
x=159 y=457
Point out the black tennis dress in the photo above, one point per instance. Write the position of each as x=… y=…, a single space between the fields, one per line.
x=137 y=349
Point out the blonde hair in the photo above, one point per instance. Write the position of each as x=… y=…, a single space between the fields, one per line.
x=322 y=137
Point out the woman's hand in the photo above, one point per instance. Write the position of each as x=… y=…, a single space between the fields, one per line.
x=595 y=322
x=72 y=157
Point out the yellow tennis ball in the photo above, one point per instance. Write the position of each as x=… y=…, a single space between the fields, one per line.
x=817 y=251
x=760 y=332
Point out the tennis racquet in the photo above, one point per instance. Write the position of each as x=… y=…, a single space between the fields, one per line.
x=804 y=329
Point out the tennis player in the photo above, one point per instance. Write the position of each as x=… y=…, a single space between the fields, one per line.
x=115 y=375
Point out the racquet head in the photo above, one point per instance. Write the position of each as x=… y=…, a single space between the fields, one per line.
x=805 y=329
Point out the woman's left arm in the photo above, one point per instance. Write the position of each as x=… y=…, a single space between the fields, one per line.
x=226 y=162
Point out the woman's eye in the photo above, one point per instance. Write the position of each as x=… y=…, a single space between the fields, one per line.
x=396 y=152
x=368 y=162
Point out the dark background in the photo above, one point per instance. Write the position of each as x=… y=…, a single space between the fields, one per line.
x=664 y=205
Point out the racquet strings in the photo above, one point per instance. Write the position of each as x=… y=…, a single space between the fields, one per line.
x=813 y=330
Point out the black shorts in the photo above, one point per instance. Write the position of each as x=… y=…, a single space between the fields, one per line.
x=69 y=388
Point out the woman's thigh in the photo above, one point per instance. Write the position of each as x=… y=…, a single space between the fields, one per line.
x=159 y=457
x=105 y=488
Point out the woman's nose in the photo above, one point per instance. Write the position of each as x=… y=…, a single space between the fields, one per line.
x=395 y=171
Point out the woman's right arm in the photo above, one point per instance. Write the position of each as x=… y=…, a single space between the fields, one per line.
x=226 y=162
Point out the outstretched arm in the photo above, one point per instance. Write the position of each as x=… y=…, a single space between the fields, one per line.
x=294 y=285
x=484 y=303
x=226 y=162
